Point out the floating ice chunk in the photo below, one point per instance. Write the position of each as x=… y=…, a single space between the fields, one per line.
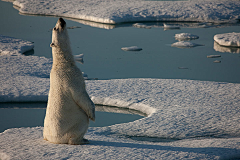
x=168 y=26
x=132 y=48
x=228 y=39
x=184 y=44
x=217 y=61
x=85 y=76
x=185 y=36
x=140 y=25
x=213 y=56
x=14 y=46
x=79 y=58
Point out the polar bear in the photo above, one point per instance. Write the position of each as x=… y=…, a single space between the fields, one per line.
x=69 y=106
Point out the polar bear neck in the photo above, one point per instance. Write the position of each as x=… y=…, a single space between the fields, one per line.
x=61 y=51
x=62 y=55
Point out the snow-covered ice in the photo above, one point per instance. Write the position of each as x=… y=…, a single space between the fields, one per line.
x=24 y=78
x=132 y=48
x=186 y=119
x=228 y=39
x=27 y=143
x=185 y=36
x=185 y=44
x=14 y=46
x=111 y=11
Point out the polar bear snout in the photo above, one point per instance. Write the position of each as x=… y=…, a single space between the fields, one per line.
x=60 y=26
x=52 y=45
x=61 y=22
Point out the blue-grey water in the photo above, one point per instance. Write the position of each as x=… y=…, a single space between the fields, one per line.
x=104 y=59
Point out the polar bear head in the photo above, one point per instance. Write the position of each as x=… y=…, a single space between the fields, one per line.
x=59 y=35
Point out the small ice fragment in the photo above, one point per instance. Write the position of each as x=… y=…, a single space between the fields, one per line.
x=217 y=61
x=213 y=56
x=140 y=25
x=182 y=67
x=132 y=48
x=85 y=76
x=184 y=44
x=228 y=39
x=167 y=26
x=79 y=58
x=185 y=36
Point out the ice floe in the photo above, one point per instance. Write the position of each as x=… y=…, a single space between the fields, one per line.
x=186 y=119
x=185 y=44
x=79 y=58
x=213 y=56
x=217 y=61
x=14 y=46
x=111 y=11
x=228 y=39
x=185 y=36
x=132 y=48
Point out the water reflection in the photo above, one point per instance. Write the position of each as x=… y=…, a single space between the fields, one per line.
x=220 y=48
x=93 y=24
x=29 y=53
x=113 y=109
x=149 y=25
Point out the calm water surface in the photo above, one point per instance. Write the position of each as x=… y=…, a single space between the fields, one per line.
x=104 y=59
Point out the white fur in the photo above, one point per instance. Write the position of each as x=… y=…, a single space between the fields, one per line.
x=69 y=106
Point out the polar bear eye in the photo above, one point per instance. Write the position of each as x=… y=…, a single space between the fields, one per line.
x=55 y=29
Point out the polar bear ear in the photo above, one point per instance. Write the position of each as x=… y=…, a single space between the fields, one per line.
x=52 y=45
